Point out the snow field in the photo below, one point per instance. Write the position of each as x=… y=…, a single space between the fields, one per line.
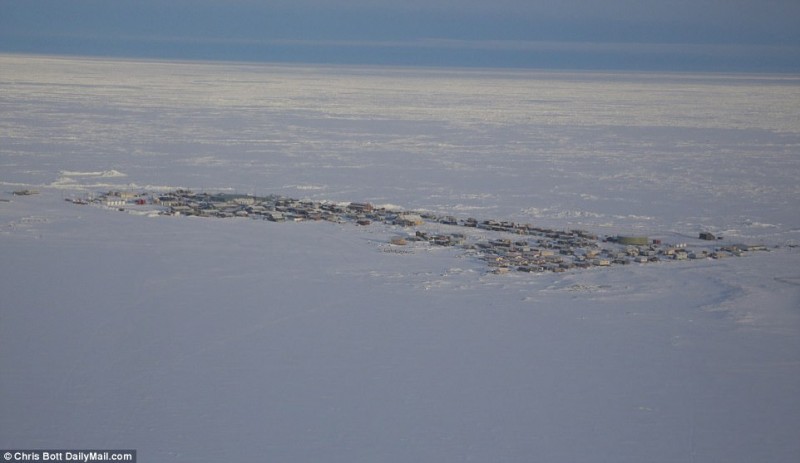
x=207 y=340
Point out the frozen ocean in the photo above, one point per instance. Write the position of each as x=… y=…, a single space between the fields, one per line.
x=202 y=340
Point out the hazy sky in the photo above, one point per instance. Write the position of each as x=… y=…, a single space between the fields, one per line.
x=746 y=35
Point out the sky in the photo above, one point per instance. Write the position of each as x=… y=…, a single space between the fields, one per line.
x=705 y=35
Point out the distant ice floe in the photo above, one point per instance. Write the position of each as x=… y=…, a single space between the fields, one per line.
x=467 y=208
x=306 y=187
x=204 y=161
x=102 y=174
x=68 y=183
x=559 y=213
x=574 y=288
x=14 y=184
x=389 y=207
x=67 y=179
x=597 y=219
x=754 y=224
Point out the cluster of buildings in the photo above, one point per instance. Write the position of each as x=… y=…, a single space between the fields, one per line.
x=505 y=246
x=548 y=254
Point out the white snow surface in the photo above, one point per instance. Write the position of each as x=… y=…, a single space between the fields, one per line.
x=204 y=340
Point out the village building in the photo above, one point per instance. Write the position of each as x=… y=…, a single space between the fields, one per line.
x=360 y=207
x=408 y=220
x=114 y=202
x=632 y=240
x=181 y=210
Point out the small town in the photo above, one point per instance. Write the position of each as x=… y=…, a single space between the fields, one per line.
x=505 y=246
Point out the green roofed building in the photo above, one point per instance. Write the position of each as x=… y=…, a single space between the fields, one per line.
x=633 y=240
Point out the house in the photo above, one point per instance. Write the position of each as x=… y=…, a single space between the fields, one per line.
x=408 y=220
x=181 y=210
x=275 y=216
x=244 y=200
x=592 y=253
x=167 y=201
x=256 y=209
x=360 y=207
x=114 y=202
x=632 y=240
x=707 y=236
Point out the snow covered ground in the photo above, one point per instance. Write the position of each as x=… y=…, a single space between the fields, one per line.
x=198 y=340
